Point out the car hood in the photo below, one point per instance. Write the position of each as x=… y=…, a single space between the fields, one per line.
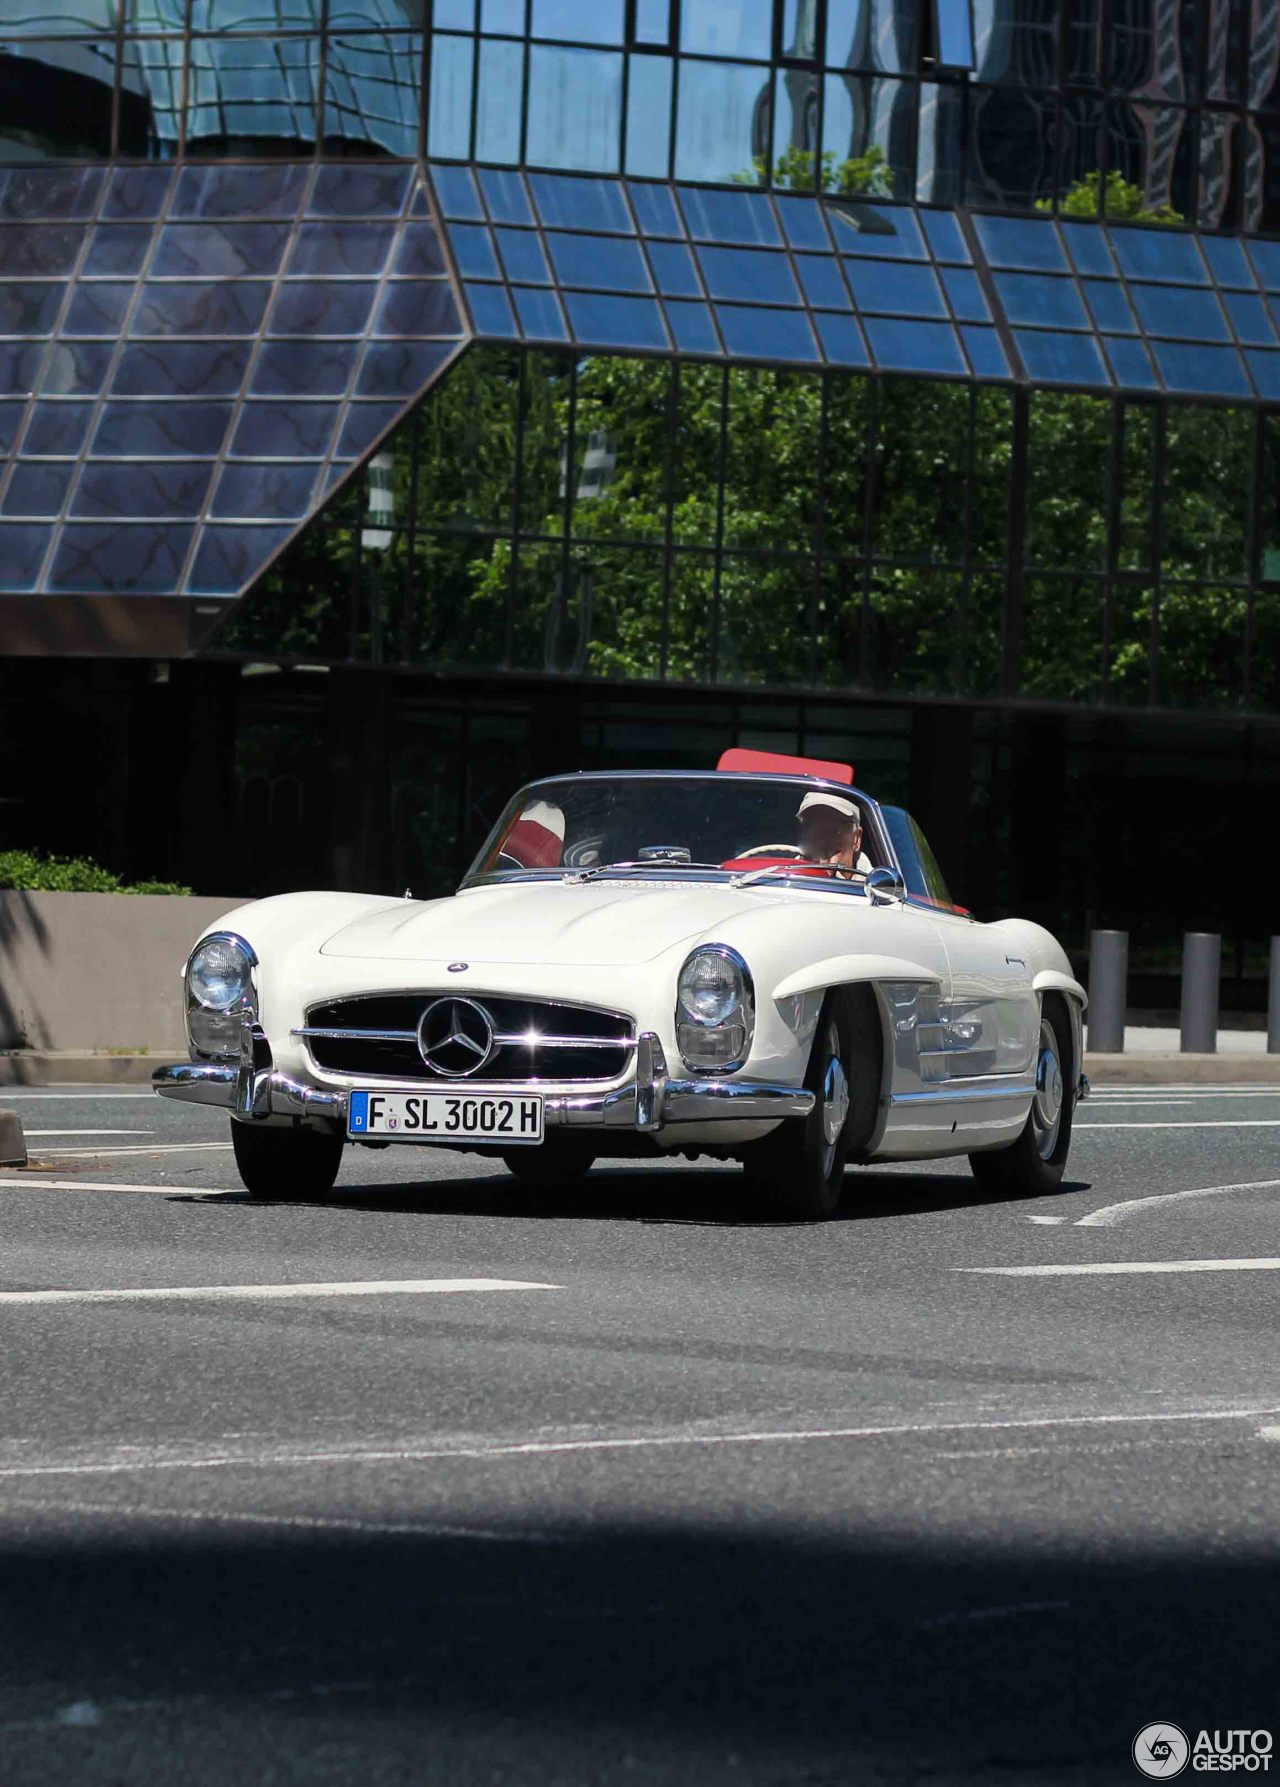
x=610 y=923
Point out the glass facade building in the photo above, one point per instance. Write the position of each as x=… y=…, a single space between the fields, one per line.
x=827 y=372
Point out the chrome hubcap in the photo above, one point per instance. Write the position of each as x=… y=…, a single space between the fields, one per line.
x=835 y=1097
x=1046 y=1106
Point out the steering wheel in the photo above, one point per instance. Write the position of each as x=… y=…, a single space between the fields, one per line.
x=775 y=850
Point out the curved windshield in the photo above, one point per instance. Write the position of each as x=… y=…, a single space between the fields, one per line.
x=587 y=825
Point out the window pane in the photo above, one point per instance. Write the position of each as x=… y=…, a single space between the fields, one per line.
x=845 y=473
x=1066 y=359
x=1013 y=242
x=696 y=460
x=763 y=619
x=913 y=640
x=1067 y=459
x=616 y=322
x=498 y=104
x=718 y=134
x=620 y=449
x=1187 y=367
x=1062 y=656
x=1032 y=298
x=575 y=109
x=766 y=334
x=772 y=451
x=743 y=217
x=1208 y=467
x=915 y=347
x=750 y=274
x=570 y=20
x=922 y=461
x=649 y=116
x=1200 y=652
x=606 y=263
x=1187 y=315
x=726 y=28
x=900 y=290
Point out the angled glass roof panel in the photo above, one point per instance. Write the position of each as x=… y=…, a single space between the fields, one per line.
x=842 y=340
x=914 y=347
x=692 y=328
x=522 y=257
x=539 y=314
x=1266 y=261
x=473 y=251
x=505 y=195
x=1130 y=363
x=714 y=215
x=803 y=223
x=1155 y=253
x=457 y=192
x=1109 y=305
x=1089 y=249
x=986 y=352
x=607 y=263
x=1193 y=367
x=883 y=232
x=1061 y=359
x=37 y=189
x=967 y=298
x=655 y=208
x=824 y=288
x=673 y=269
x=1025 y=244
x=1265 y=371
x=1227 y=261
x=573 y=203
x=1036 y=298
x=602 y=320
x=757 y=334
x=222 y=353
x=1185 y=315
x=491 y=311
x=751 y=275
x=898 y=289
x=1250 y=319
x=946 y=238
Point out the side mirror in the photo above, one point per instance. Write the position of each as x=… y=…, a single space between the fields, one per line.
x=885 y=887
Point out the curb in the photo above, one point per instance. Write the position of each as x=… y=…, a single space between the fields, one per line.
x=1235 y=1069
x=74 y=1067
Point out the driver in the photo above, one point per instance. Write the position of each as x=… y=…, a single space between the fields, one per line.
x=831 y=832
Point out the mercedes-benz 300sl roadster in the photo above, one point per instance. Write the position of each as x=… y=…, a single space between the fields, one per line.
x=758 y=963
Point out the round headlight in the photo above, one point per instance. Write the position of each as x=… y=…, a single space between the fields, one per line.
x=218 y=972
x=711 y=987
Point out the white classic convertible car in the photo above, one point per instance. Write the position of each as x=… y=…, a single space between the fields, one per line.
x=758 y=963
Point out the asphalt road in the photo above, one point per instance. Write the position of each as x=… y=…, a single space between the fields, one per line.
x=682 y=1497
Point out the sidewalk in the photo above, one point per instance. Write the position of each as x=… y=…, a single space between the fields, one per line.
x=1152 y=1057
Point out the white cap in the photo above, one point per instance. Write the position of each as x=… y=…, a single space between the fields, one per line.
x=845 y=808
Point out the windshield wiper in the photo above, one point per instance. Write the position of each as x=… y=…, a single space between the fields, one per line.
x=751 y=876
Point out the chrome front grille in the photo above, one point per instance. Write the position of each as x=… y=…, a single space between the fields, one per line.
x=376 y=1036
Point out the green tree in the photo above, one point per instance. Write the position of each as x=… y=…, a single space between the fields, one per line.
x=1096 y=194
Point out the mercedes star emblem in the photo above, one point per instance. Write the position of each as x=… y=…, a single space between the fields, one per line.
x=455 y=1037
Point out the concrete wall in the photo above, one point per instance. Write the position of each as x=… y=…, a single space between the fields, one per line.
x=97 y=971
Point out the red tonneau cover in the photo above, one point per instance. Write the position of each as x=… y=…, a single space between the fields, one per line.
x=771 y=763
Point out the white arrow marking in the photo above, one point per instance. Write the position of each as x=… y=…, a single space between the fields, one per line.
x=1111 y=1214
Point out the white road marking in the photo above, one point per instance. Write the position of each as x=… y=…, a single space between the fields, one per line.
x=308 y=1522
x=158 y=1148
x=1187 y=1123
x=38 y=1182
x=1111 y=1214
x=964 y=1616
x=498 y=1452
x=1195 y=1088
x=1269 y=1433
x=1116 y=1268
x=42 y=1134
x=1046 y=1219
x=88 y=1096
x=242 y=1293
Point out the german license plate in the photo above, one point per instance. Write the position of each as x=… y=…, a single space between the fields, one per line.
x=445 y=1117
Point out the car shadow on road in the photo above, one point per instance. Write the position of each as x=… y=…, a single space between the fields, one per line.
x=688 y=1196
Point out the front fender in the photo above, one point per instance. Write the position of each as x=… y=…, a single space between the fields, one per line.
x=837 y=971
x=1052 y=980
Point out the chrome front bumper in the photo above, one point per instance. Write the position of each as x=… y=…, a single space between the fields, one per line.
x=253 y=1090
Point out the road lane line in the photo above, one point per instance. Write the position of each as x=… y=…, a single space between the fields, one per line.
x=242 y=1293
x=1111 y=1214
x=499 y=1452
x=159 y=1148
x=1189 y=1123
x=310 y=1522
x=1117 y=1268
x=88 y=1096
x=44 y=1134
x=36 y=1181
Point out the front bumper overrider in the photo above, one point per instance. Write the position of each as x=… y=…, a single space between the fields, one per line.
x=254 y=1090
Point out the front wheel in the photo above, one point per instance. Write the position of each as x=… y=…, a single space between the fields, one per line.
x=285 y=1164
x=798 y=1171
x=1035 y=1163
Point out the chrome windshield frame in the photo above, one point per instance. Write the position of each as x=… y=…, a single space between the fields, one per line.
x=873 y=825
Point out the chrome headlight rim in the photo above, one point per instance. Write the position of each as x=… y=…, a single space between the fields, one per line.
x=736 y=1026
x=245 y=990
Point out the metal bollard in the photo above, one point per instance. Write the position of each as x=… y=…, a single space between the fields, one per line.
x=1273 y=1001
x=1201 y=967
x=1108 y=991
